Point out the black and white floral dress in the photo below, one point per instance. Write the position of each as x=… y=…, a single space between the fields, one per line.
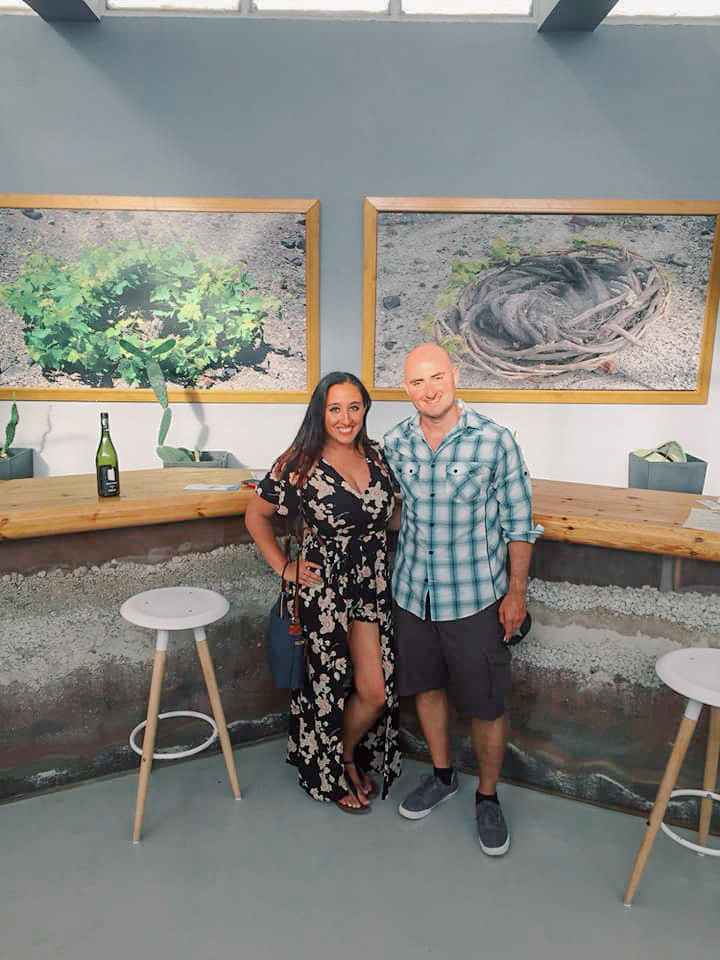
x=345 y=532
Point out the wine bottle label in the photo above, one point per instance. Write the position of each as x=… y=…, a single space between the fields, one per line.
x=108 y=481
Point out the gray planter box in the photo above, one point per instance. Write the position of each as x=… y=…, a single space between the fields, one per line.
x=208 y=458
x=18 y=465
x=681 y=477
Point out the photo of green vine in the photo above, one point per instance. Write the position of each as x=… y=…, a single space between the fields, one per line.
x=88 y=298
x=190 y=314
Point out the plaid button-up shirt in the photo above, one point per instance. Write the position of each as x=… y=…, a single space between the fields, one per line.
x=461 y=505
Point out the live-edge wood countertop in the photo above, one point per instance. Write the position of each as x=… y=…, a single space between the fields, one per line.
x=43 y=506
x=650 y=521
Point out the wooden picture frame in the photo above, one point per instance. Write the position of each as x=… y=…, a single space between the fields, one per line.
x=222 y=292
x=544 y=300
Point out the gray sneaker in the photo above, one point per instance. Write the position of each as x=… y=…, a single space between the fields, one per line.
x=491 y=828
x=426 y=796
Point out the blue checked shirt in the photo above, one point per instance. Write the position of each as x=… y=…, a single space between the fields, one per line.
x=461 y=505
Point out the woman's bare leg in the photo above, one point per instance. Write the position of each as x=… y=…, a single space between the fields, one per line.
x=365 y=703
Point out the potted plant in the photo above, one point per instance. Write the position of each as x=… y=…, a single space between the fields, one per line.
x=15 y=462
x=177 y=456
x=666 y=467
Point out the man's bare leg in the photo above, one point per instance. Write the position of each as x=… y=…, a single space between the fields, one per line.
x=432 y=711
x=490 y=741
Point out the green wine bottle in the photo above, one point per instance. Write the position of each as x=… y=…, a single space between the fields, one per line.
x=106 y=463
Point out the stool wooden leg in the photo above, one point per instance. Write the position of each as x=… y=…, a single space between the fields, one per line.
x=217 y=709
x=146 y=760
x=682 y=740
x=711 y=771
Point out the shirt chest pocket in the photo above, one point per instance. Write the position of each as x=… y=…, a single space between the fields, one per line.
x=466 y=481
x=413 y=476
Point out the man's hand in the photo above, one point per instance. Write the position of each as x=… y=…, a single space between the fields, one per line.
x=511 y=612
x=512 y=609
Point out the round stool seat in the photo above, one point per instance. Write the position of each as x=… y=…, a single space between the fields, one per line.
x=174 y=608
x=693 y=671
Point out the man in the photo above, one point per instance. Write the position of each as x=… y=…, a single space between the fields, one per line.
x=466 y=506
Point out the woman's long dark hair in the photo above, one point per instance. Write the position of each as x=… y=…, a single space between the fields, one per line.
x=306 y=449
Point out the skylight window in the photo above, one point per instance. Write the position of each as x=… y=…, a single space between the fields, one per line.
x=172 y=4
x=15 y=5
x=467 y=7
x=429 y=7
x=334 y=6
x=666 y=8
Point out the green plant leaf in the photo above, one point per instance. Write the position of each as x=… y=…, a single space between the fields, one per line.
x=156 y=379
x=165 y=421
x=174 y=454
x=10 y=429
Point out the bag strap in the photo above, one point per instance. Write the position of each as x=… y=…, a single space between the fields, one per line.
x=295 y=627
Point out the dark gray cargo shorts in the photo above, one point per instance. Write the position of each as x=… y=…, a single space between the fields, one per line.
x=467 y=657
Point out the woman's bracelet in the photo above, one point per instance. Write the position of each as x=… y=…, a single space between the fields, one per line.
x=282 y=575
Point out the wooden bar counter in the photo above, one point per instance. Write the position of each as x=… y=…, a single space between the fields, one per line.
x=650 y=521
x=46 y=506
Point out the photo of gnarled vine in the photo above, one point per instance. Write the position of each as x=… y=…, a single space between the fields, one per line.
x=552 y=313
x=557 y=300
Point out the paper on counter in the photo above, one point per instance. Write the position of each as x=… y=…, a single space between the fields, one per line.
x=213 y=486
x=703 y=520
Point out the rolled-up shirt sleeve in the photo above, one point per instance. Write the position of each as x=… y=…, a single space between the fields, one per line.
x=513 y=491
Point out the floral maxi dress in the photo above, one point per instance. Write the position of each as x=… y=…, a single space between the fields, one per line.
x=345 y=532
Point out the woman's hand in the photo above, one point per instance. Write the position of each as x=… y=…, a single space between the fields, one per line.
x=310 y=573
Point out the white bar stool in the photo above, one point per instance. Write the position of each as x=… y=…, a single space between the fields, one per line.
x=694 y=673
x=164 y=610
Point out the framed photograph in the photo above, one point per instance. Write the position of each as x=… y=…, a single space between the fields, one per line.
x=565 y=301
x=221 y=293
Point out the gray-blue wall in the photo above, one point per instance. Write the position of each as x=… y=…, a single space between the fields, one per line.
x=338 y=110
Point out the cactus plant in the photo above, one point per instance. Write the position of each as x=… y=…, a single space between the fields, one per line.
x=10 y=430
x=167 y=454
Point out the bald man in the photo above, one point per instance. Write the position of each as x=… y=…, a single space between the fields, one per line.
x=467 y=507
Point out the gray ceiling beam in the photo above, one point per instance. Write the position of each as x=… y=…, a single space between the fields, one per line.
x=554 y=16
x=52 y=10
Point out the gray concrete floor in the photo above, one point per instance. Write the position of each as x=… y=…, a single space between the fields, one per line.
x=277 y=875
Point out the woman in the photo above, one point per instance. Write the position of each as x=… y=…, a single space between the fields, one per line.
x=344 y=722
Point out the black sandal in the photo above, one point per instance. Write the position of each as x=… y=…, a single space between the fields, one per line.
x=370 y=789
x=352 y=790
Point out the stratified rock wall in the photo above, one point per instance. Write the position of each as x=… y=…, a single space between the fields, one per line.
x=76 y=676
x=590 y=719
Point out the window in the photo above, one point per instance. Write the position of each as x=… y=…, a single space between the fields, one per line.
x=467 y=7
x=172 y=4
x=666 y=8
x=18 y=5
x=410 y=7
x=335 y=6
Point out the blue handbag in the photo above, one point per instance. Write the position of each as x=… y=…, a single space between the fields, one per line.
x=285 y=644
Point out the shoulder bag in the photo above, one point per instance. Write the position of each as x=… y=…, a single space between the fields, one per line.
x=285 y=644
